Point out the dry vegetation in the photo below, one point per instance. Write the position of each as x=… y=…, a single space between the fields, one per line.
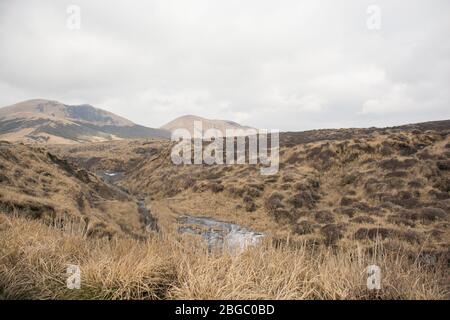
x=392 y=183
x=342 y=200
x=34 y=258
x=121 y=155
x=38 y=185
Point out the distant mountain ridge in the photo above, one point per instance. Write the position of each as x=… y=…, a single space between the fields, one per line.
x=40 y=120
x=187 y=122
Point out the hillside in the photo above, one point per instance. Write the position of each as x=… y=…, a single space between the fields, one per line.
x=342 y=200
x=187 y=122
x=38 y=185
x=53 y=122
x=333 y=187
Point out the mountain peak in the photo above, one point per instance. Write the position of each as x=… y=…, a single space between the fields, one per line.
x=187 y=122
x=41 y=120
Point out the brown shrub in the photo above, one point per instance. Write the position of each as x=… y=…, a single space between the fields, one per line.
x=415 y=184
x=384 y=233
x=253 y=192
x=28 y=209
x=258 y=186
x=274 y=201
x=281 y=215
x=346 y=201
x=399 y=220
x=236 y=191
x=288 y=178
x=439 y=195
x=395 y=183
x=363 y=219
x=406 y=149
x=396 y=174
x=324 y=216
x=395 y=164
x=386 y=150
x=250 y=206
x=411 y=237
x=409 y=215
x=348 y=211
x=430 y=214
x=372 y=233
x=443 y=165
x=307 y=199
x=443 y=184
x=332 y=233
x=216 y=187
x=294 y=158
x=404 y=199
x=425 y=155
x=349 y=179
x=304 y=227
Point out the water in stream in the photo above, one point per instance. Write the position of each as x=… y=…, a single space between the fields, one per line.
x=218 y=234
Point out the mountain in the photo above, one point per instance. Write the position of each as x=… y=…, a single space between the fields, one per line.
x=49 y=121
x=187 y=122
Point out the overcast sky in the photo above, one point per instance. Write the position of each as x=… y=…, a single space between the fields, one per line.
x=284 y=64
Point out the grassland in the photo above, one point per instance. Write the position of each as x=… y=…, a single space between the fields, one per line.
x=342 y=200
x=34 y=258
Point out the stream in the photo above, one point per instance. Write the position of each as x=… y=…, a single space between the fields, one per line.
x=111 y=178
x=217 y=234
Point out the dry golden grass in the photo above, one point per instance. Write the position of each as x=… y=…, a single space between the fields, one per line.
x=39 y=185
x=120 y=155
x=393 y=179
x=334 y=190
x=34 y=258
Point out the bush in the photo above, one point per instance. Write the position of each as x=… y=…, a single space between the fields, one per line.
x=443 y=165
x=430 y=214
x=416 y=184
x=396 y=219
x=332 y=233
x=394 y=164
x=274 y=201
x=304 y=227
x=281 y=215
x=348 y=211
x=216 y=187
x=250 y=206
x=253 y=192
x=346 y=201
x=305 y=198
x=324 y=216
x=349 y=179
x=373 y=233
x=363 y=219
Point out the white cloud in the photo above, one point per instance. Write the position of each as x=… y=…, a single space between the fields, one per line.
x=286 y=64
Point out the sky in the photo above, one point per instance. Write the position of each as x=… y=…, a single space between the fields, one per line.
x=279 y=64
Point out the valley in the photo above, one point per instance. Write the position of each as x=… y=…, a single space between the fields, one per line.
x=141 y=227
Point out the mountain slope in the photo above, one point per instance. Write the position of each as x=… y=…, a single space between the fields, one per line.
x=187 y=122
x=333 y=186
x=53 y=122
x=38 y=185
